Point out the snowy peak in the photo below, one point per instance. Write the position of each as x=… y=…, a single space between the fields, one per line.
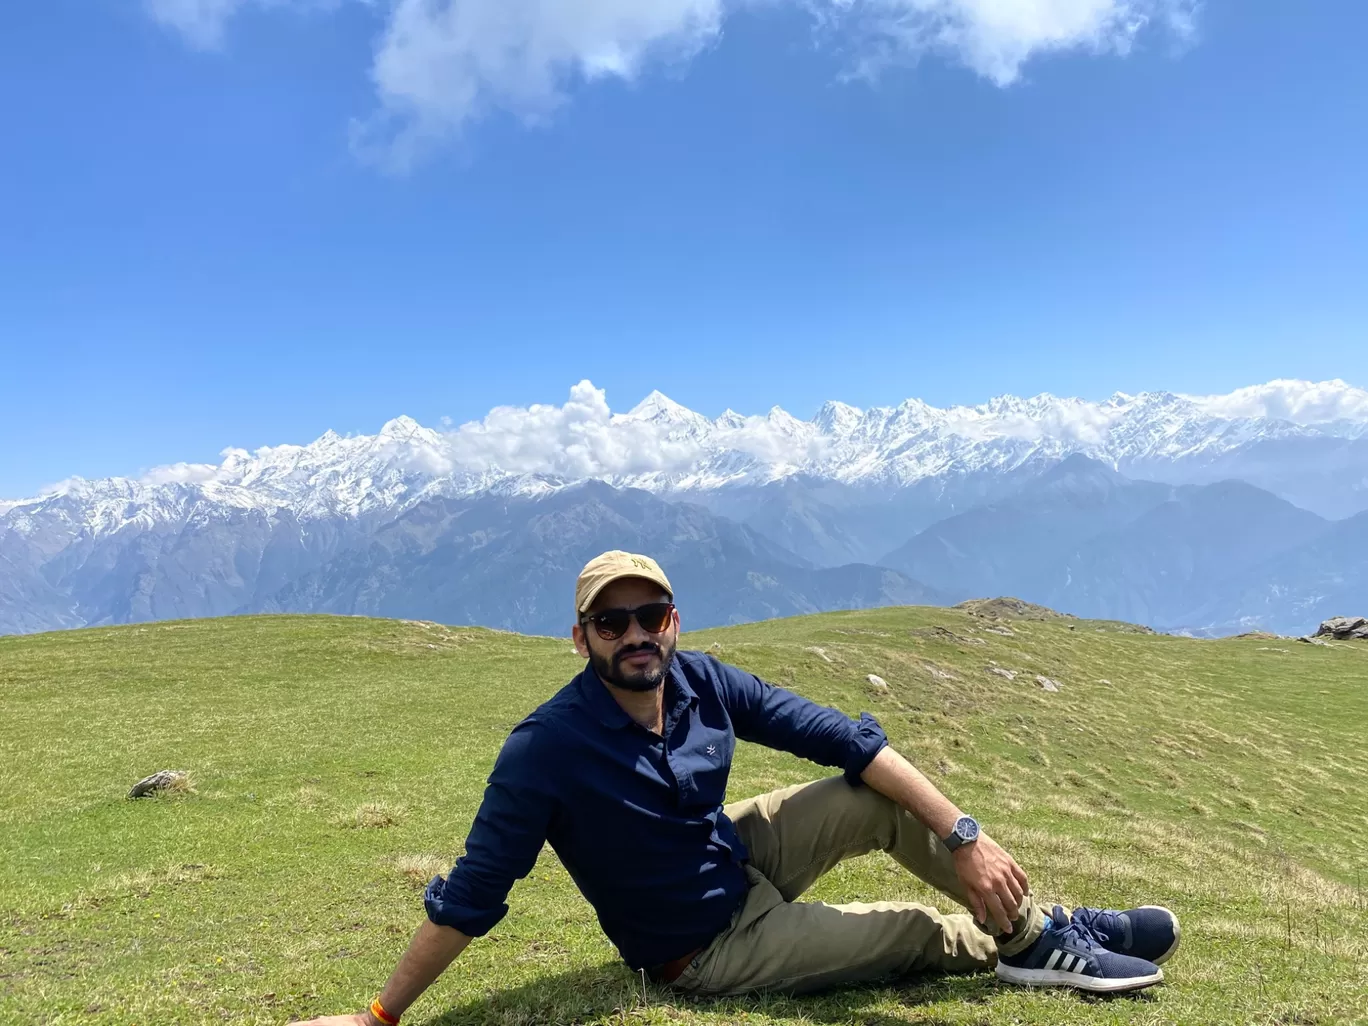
x=660 y=408
x=400 y=429
x=837 y=418
x=672 y=420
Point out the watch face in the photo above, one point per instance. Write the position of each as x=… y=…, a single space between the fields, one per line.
x=967 y=828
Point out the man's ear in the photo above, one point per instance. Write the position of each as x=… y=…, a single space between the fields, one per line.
x=581 y=642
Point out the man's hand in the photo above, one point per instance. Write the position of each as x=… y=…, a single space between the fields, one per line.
x=993 y=880
x=360 y=1019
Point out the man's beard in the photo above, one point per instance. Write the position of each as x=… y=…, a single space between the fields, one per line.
x=610 y=669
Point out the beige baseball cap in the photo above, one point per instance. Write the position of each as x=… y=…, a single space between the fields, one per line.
x=603 y=570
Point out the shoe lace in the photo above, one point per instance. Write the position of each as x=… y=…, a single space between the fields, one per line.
x=1100 y=924
x=1080 y=932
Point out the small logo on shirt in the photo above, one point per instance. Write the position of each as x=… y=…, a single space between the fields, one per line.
x=712 y=749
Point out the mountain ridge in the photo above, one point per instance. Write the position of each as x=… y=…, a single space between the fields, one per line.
x=670 y=448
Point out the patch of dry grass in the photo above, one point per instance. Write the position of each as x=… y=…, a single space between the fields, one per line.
x=421 y=868
x=370 y=816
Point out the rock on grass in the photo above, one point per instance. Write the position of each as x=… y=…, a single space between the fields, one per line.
x=1345 y=628
x=171 y=781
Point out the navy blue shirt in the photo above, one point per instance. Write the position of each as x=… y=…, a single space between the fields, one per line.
x=635 y=817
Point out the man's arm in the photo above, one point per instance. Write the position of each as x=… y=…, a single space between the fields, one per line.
x=430 y=952
x=782 y=719
x=432 y=949
x=996 y=884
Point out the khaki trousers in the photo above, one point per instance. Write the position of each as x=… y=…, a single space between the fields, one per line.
x=775 y=942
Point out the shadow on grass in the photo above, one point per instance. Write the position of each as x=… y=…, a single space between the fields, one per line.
x=609 y=990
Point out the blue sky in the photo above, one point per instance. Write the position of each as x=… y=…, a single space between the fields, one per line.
x=296 y=215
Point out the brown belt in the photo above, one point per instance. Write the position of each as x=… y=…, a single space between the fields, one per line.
x=668 y=972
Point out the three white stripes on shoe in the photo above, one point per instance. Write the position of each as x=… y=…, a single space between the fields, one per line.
x=1065 y=962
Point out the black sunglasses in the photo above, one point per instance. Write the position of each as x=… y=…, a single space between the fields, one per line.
x=612 y=624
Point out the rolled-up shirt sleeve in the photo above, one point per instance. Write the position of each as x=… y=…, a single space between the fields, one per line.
x=504 y=841
x=779 y=718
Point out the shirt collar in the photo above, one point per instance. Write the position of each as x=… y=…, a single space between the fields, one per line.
x=678 y=695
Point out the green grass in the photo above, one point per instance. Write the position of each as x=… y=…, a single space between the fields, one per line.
x=336 y=764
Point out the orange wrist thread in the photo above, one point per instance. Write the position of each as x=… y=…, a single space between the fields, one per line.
x=378 y=1010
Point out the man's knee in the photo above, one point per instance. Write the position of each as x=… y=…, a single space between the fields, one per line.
x=825 y=814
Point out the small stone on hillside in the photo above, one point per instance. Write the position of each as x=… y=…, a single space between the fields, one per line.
x=1103 y=680
x=1001 y=630
x=1315 y=641
x=820 y=653
x=1345 y=628
x=715 y=648
x=162 y=780
x=1009 y=674
x=938 y=673
x=1047 y=683
x=878 y=682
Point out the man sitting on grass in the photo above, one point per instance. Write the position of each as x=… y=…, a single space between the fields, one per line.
x=623 y=772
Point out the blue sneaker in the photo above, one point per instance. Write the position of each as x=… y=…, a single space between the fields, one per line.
x=1069 y=954
x=1150 y=932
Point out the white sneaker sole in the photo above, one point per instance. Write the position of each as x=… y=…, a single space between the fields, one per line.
x=1177 y=934
x=1057 y=978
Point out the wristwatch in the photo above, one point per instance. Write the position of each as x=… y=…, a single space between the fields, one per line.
x=966 y=832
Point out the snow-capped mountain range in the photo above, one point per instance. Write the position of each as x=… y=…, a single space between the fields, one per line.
x=1210 y=513
x=666 y=448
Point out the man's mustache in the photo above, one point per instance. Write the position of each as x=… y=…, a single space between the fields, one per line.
x=644 y=647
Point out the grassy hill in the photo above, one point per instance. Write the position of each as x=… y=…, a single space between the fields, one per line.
x=337 y=762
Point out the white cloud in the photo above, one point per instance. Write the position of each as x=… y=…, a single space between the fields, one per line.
x=580 y=439
x=440 y=64
x=583 y=438
x=1299 y=402
x=201 y=22
x=995 y=38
